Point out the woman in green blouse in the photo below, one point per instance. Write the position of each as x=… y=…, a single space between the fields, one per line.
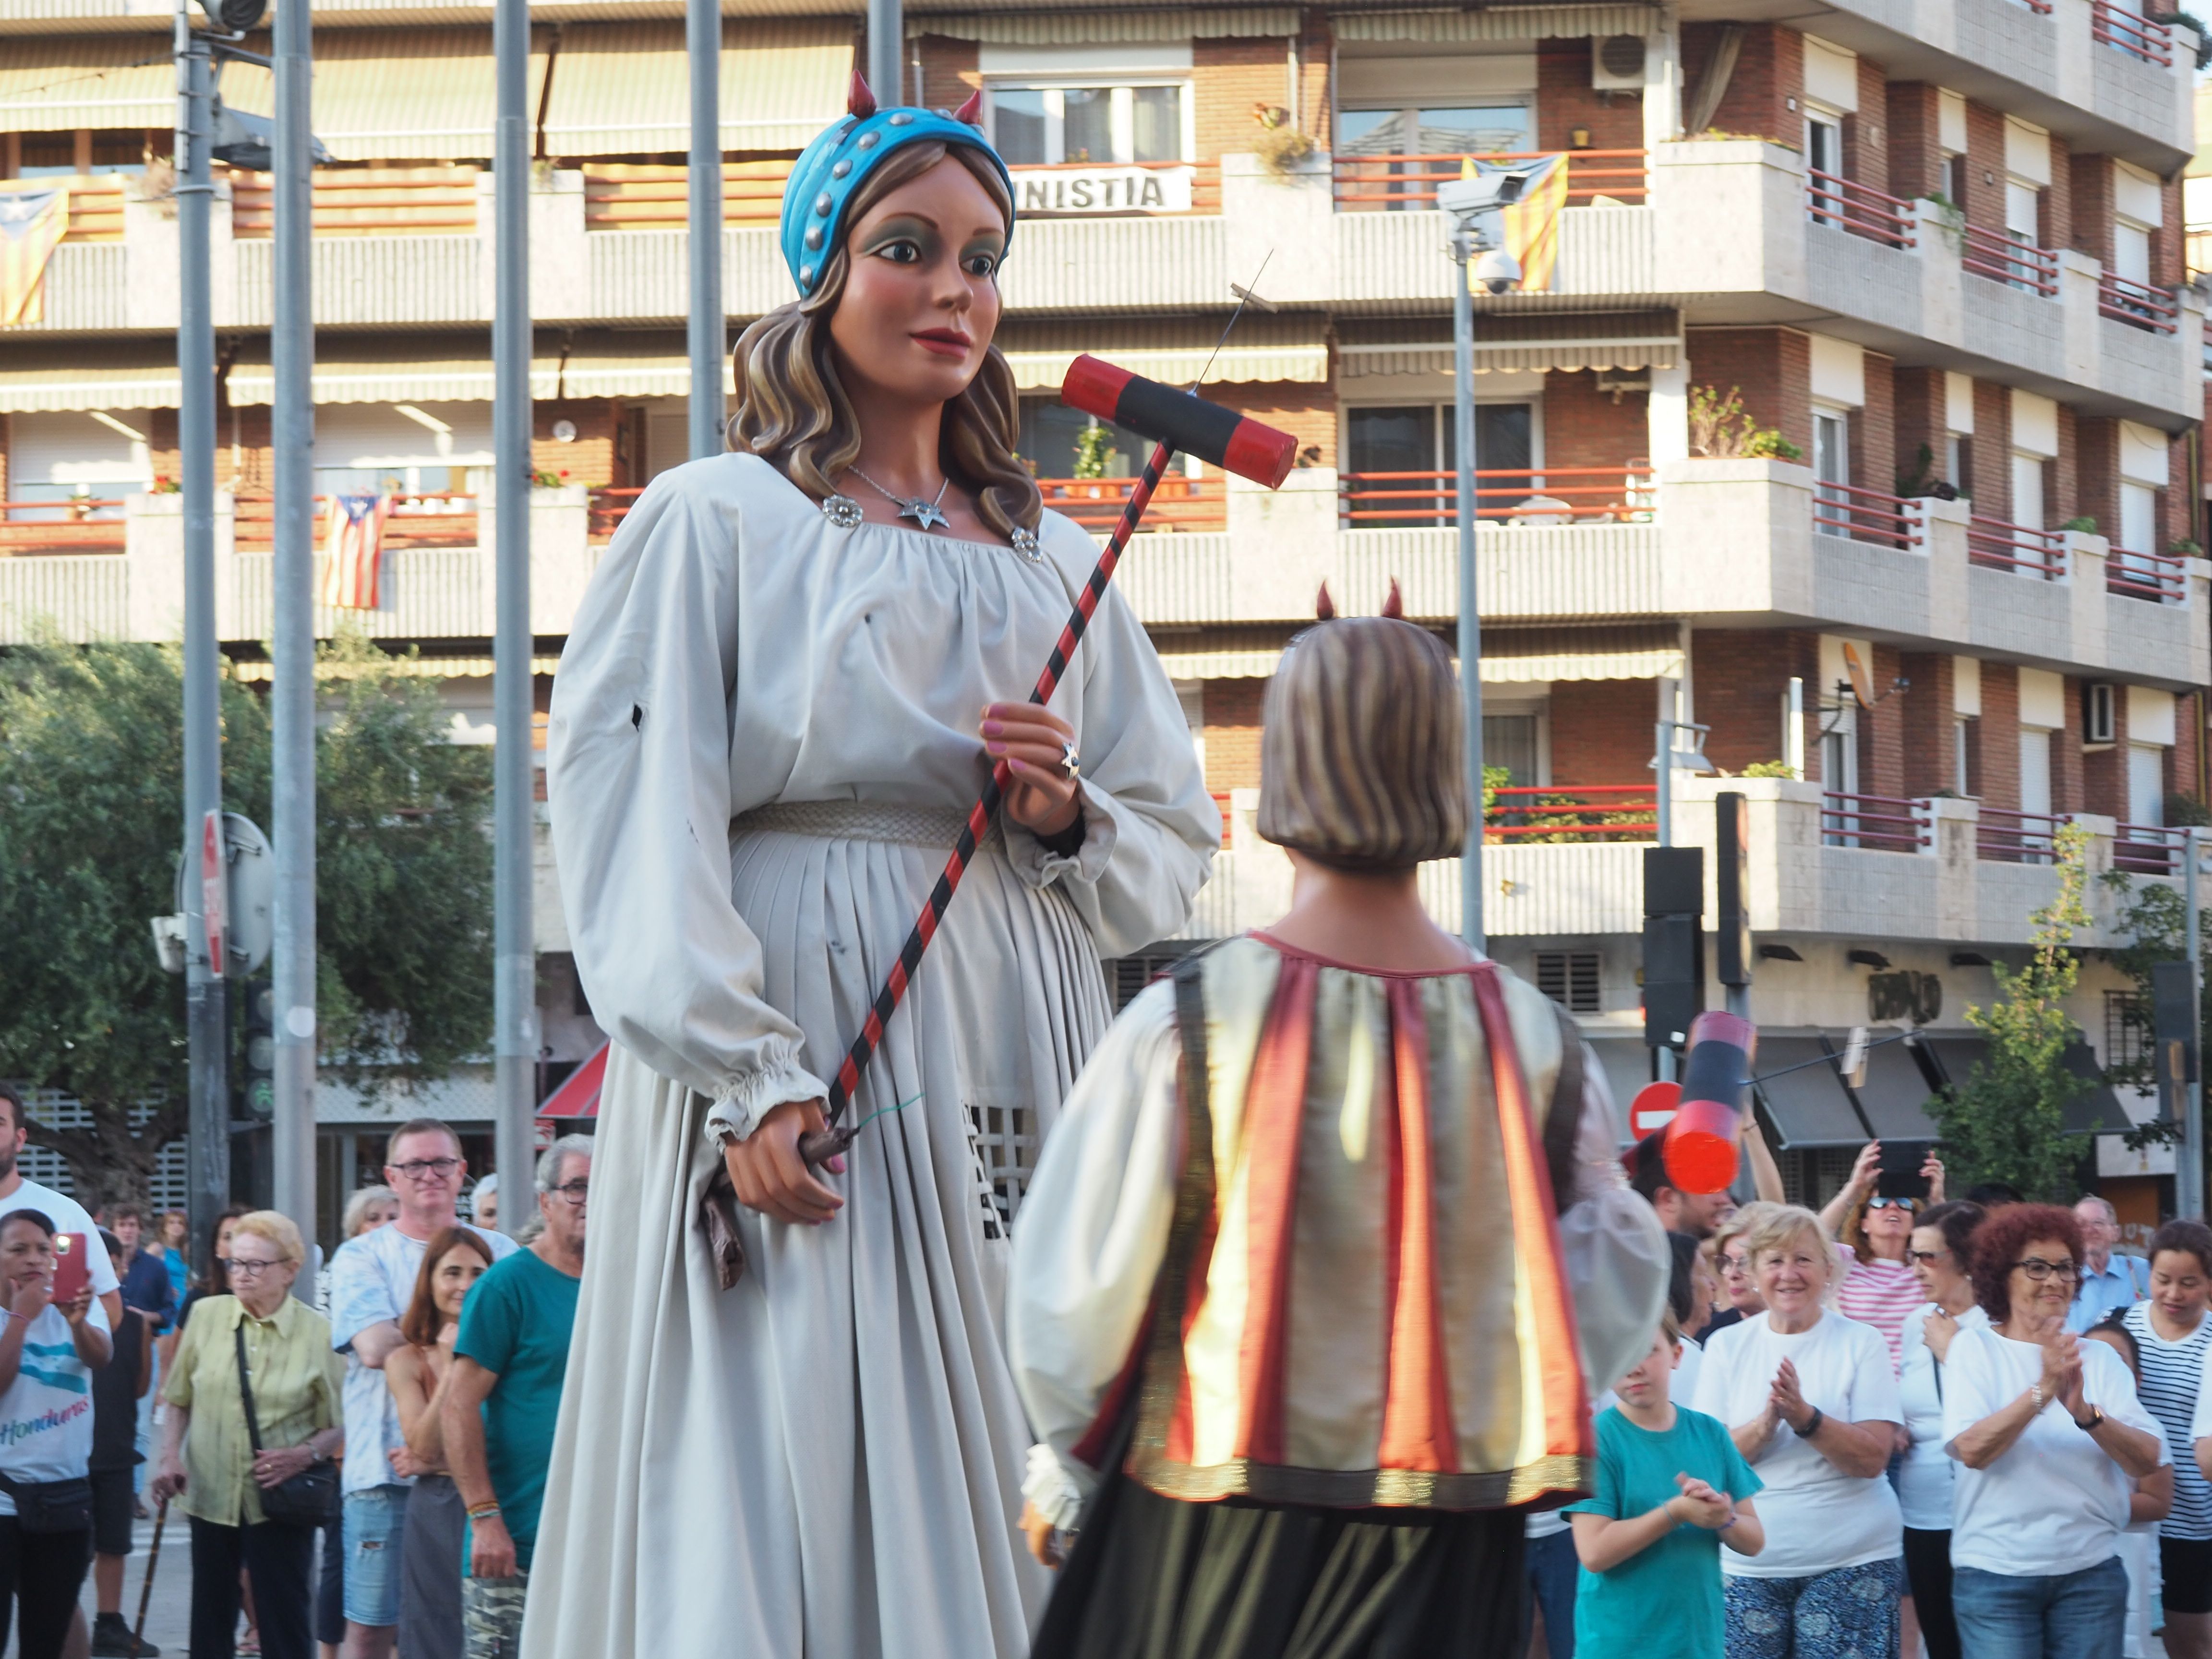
x=208 y=1462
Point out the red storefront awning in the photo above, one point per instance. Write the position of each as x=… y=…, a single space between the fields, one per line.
x=578 y=1097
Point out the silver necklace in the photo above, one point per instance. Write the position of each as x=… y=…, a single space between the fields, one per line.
x=927 y=514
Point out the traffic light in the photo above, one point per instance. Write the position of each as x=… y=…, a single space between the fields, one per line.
x=1674 y=942
x=2173 y=1034
x=257 y=1078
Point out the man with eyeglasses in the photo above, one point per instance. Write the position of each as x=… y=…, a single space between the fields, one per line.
x=372 y=1280
x=2109 y=1279
x=503 y=1399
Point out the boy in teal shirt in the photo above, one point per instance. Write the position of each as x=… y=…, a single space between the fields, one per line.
x=1671 y=1490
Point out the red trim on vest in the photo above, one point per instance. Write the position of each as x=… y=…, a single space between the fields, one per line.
x=1418 y=1431
x=1274 y=1113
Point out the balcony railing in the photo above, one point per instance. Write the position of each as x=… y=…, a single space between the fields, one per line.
x=434 y=520
x=95 y=203
x=1373 y=183
x=2006 y=836
x=2003 y=257
x=1179 y=503
x=2137 y=304
x=2020 y=547
x=2127 y=32
x=1866 y=515
x=1881 y=822
x=1572 y=812
x=2159 y=577
x=1530 y=495
x=608 y=507
x=365 y=201
x=1860 y=209
x=618 y=197
x=80 y=524
x=2148 y=849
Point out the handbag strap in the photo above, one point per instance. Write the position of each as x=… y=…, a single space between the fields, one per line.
x=246 y=1385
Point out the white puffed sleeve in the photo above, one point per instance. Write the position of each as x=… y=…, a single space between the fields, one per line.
x=639 y=784
x=1617 y=1257
x=1103 y=1202
x=1150 y=827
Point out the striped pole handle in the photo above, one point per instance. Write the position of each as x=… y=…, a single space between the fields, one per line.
x=815 y=1148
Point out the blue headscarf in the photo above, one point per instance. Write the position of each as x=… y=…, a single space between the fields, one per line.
x=829 y=172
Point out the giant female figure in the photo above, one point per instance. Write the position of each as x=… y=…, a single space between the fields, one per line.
x=788 y=680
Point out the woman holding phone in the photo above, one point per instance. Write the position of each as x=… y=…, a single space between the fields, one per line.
x=46 y=1425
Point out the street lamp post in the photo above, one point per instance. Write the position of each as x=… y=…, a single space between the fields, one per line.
x=1470 y=617
x=702 y=40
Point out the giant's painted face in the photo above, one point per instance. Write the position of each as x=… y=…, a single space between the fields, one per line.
x=921 y=304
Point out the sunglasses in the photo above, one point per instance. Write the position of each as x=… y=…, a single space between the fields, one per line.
x=1893 y=1203
x=1926 y=1258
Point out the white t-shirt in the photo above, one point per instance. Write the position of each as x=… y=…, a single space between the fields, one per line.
x=69 y=1216
x=46 y=1415
x=373 y=1279
x=1683 y=1385
x=1923 y=1479
x=1817 y=1518
x=2054 y=1502
x=2200 y=1426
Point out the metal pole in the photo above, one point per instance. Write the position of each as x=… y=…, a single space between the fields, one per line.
x=886 y=23
x=208 y=1031
x=292 y=693
x=1470 y=618
x=2189 y=1167
x=515 y=966
x=702 y=40
x=1662 y=741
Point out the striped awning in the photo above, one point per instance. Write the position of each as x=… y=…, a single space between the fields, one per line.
x=416 y=668
x=1107 y=28
x=38 y=376
x=57 y=84
x=410 y=94
x=1172 y=350
x=1510 y=656
x=1507 y=22
x=625 y=88
x=1515 y=342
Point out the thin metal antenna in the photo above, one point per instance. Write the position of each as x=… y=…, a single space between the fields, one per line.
x=1244 y=296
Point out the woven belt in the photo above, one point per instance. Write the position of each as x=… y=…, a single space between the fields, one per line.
x=857 y=820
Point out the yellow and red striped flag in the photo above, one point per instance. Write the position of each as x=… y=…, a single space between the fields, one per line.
x=1531 y=225
x=31 y=222
x=354 y=547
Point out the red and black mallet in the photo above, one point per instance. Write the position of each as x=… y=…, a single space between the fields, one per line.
x=1174 y=421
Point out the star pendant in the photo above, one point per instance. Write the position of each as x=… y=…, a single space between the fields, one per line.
x=926 y=515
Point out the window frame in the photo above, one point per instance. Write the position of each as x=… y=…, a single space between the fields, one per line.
x=1122 y=84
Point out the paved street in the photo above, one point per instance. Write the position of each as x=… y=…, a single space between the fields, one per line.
x=171 y=1608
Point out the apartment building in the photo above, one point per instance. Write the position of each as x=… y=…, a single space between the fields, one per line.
x=1857 y=419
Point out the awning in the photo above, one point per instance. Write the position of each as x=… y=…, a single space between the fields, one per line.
x=1810 y=1107
x=623 y=366
x=1507 y=22
x=625 y=88
x=254 y=673
x=1515 y=342
x=1510 y=656
x=399 y=94
x=1172 y=350
x=58 y=85
x=1105 y=27
x=578 y=1097
x=40 y=375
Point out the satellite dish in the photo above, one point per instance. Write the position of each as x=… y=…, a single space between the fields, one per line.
x=250 y=927
x=1861 y=685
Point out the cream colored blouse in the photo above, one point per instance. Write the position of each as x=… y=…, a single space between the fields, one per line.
x=297 y=1384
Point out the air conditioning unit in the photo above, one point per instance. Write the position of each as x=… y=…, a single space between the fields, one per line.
x=2097 y=722
x=1617 y=62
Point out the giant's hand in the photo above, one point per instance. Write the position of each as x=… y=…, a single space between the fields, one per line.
x=770 y=1177
x=1033 y=741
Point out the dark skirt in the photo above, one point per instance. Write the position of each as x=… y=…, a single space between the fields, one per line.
x=430 y=1570
x=1153 y=1578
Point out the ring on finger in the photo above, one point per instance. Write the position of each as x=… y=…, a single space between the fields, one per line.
x=1070 y=761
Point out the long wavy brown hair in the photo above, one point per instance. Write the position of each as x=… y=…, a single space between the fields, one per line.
x=793 y=411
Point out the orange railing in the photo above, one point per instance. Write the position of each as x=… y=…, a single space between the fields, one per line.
x=1860 y=209
x=2158 y=577
x=80 y=524
x=1866 y=515
x=608 y=507
x=1576 y=811
x=426 y=519
x=365 y=201
x=2137 y=304
x=2127 y=32
x=1179 y=503
x=622 y=196
x=1368 y=183
x=2019 y=547
x=2005 y=258
x=1529 y=495
x=95 y=203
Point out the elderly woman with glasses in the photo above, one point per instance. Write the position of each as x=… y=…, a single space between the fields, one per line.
x=2050 y=1439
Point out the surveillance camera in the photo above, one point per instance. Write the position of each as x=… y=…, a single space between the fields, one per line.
x=1465 y=198
x=236 y=15
x=1497 y=272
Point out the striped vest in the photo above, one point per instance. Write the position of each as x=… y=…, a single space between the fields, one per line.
x=1364 y=1301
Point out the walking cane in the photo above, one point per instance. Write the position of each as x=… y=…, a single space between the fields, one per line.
x=146 y=1589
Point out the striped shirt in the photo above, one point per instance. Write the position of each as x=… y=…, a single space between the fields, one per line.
x=1881 y=1294
x=2171 y=1374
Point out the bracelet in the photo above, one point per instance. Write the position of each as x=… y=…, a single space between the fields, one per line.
x=1812 y=1423
x=481 y=1511
x=2035 y=1394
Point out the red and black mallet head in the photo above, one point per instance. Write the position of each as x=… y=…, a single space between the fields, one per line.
x=1181 y=420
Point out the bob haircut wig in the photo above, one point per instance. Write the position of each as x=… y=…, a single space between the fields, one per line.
x=792 y=408
x=1363 y=764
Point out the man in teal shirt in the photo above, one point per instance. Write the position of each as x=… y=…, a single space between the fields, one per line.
x=509 y=1359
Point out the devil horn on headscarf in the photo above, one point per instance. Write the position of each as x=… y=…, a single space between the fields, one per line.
x=1394 y=606
x=860 y=102
x=1324 y=606
x=972 y=110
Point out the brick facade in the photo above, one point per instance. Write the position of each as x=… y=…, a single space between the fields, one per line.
x=2068 y=792
x=2089 y=225
x=1997 y=759
x=2097 y=473
x=1873 y=428
x=1866 y=135
x=1228 y=78
x=1985 y=167
x=950 y=69
x=1920 y=419
x=1773 y=367
x=2056 y=213
x=2104 y=770
x=1739 y=677
x=1916 y=150
x=1594 y=740
x=1927 y=715
x=1565 y=100
x=1770 y=72
x=1584 y=427
x=1990 y=472
x=1881 y=728
x=1232 y=733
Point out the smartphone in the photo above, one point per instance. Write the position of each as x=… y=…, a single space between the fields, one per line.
x=1900 y=1170
x=72 y=1266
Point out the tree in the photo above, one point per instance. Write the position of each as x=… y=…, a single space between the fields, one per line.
x=2007 y=1124
x=91 y=774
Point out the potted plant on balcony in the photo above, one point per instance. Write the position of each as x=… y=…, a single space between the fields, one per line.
x=1720 y=430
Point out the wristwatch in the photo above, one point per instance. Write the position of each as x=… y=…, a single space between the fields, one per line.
x=2096 y=1421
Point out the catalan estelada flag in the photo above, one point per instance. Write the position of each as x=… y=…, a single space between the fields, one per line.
x=31 y=222
x=354 y=547
x=1532 y=224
